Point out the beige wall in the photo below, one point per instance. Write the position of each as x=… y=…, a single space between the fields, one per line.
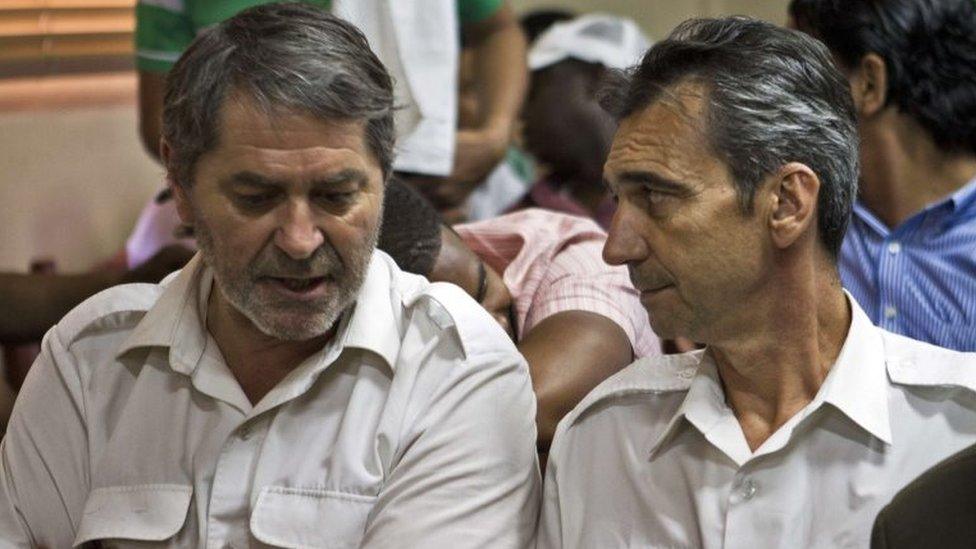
x=71 y=184
x=658 y=17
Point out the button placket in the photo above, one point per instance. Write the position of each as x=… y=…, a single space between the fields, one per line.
x=889 y=282
x=743 y=490
x=231 y=484
x=740 y=513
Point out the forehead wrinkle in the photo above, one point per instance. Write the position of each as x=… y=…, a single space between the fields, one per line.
x=669 y=134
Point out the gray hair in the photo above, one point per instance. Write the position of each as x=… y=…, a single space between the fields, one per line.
x=773 y=97
x=282 y=56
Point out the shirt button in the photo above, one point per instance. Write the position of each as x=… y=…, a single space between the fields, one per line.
x=894 y=248
x=890 y=312
x=748 y=490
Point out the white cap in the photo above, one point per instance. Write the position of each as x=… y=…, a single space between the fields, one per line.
x=614 y=42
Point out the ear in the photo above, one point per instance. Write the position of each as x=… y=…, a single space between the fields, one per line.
x=181 y=194
x=793 y=200
x=869 y=85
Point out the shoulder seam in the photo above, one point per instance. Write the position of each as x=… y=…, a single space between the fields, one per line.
x=104 y=305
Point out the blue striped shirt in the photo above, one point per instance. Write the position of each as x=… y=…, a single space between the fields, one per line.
x=920 y=278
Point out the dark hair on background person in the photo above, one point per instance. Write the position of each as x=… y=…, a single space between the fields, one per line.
x=536 y=22
x=929 y=51
x=286 y=57
x=773 y=97
x=411 y=229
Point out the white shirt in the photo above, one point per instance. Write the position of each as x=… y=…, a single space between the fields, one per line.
x=653 y=457
x=414 y=427
x=418 y=43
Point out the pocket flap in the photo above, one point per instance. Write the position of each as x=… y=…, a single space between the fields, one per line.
x=150 y=512
x=298 y=517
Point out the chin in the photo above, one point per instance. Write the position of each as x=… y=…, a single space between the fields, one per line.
x=295 y=327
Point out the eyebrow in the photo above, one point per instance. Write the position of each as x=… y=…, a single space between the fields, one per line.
x=252 y=179
x=639 y=177
x=346 y=175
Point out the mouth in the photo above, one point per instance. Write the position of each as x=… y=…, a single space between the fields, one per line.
x=305 y=287
x=655 y=289
x=647 y=294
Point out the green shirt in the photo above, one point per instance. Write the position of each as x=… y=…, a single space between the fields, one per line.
x=164 y=28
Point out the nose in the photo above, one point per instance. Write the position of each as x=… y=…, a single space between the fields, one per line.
x=297 y=234
x=624 y=244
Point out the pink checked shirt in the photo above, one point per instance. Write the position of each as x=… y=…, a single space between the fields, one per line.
x=552 y=262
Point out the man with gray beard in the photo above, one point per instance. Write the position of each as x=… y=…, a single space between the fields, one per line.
x=290 y=386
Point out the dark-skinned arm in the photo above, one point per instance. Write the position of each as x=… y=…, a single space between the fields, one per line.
x=501 y=79
x=570 y=353
x=31 y=303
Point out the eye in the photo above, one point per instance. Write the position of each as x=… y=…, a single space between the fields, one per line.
x=654 y=196
x=255 y=201
x=335 y=198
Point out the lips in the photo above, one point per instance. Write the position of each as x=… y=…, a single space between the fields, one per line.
x=298 y=286
x=651 y=290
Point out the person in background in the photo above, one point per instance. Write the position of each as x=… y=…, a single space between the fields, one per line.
x=31 y=303
x=736 y=171
x=511 y=180
x=539 y=273
x=536 y=22
x=417 y=41
x=290 y=386
x=909 y=257
x=565 y=129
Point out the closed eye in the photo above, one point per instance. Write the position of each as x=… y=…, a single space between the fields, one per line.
x=655 y=196
x=255 y=201
x=332 y=199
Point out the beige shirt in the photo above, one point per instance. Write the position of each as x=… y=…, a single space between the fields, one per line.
x=653 y=457
x=414 y=427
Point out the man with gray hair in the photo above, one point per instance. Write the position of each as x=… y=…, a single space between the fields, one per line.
x=735 y=166
x=290 y=386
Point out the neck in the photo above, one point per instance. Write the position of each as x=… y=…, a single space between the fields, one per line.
x=905 y=170
x=771 y=371
x=257 y=360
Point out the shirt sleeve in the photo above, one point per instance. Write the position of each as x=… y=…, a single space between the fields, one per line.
x=161 y=36
x=473 y=11
x=44 y=455
x=577 y=279
x=469 y=477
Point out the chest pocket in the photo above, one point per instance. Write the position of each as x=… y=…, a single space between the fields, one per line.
x=134 y=516
x=294 y=517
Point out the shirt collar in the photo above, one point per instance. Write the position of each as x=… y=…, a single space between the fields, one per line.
x=376 y=316
x=704 y=408
x=177 y=319
x=959 y=204
x=857 y=385
x=964 y=200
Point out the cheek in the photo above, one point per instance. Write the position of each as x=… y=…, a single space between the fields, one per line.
x=236 y=238
x=350 y=234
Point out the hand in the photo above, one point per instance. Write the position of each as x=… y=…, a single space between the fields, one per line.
x=477 y=152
